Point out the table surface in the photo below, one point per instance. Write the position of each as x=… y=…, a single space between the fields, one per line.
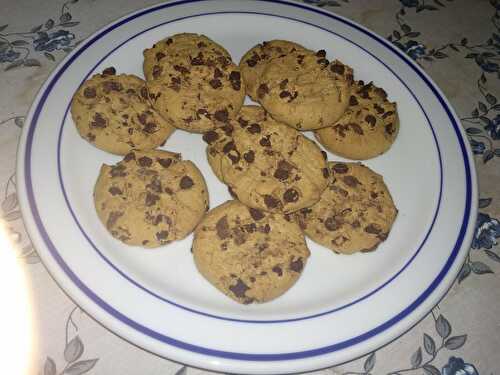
x=456 y=41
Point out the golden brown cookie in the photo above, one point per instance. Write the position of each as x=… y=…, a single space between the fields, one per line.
x=248 y=254
x=304 y=90
x=254 y=61
x=150 y=198
x=267 y=165
x=367 y=129
x=194 y=83
x=355 y=213
x=113 y=113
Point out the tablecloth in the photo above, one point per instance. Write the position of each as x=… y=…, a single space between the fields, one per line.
x=457 y=42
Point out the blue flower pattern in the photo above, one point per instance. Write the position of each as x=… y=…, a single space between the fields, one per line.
x=53 y=41
x=457 y=366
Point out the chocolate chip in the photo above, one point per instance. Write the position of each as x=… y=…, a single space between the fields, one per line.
x=99 y=121
x=353 y=100
x=144 y=93
x=262 y=90
x=169 y=191
x=323 y=61
x=118 y=171
x=387 y=114
x=326 y=172
x=251 y=63
x=155 y=185
x=249 y=156
x=337 y=68
x=210 y=137
x=113 y=190
x=357 y=129
x=291 y=195
x=235 y=76
x=91 y=137
x=201 y=45
x=340 y=168
x=265 y=142
x=145 y=161
x=165 y=163
x=277 y=270
x=113 y=218
x=222 y=228
x=151 y=199
x=332 y=224
x=229 y=146
x=236 y=85
x=243 y=123
x=371 y=120
x=168 y=42
x=270 y=201
x=162 y=235
x=157 y=71
x=325 y=156
x=321 y=53
x=373 y=228
x=221 y=115
x=265 y=229
x=215 y=83
x=389 y=129
x=239 y=289
x=281 y=174
x=283 y=83
x=256 y=214
x=254 y=128
x=227 y=129
x=378 y=108
x=181 y=69
x=111 y=71
x=150 y=128
x=89 y=92
x=159 y=56
x=198 y=60
x=297 y=265
x=351 y=181
x=186 y=182
x=285 y=94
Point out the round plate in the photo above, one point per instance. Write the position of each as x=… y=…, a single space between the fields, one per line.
x=343 y=306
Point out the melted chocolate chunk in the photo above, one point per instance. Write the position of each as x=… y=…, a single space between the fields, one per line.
x=186 y=182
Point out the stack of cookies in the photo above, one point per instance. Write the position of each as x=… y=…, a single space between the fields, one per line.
x=253 y=247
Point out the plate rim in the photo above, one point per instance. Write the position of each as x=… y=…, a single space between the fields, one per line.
x=465 y=232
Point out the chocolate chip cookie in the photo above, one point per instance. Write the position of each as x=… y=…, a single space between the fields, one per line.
x=150 y=198
x=254 y=61
x=355 y=213
x=113 y=112
x=304 y=90
x=367 y=129
x=248 y=254
x=193 y=81
x=267 y=165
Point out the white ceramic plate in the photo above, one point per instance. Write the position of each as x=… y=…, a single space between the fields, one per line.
x=343 y=306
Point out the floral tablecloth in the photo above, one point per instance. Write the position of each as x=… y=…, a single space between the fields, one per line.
x=456 y=41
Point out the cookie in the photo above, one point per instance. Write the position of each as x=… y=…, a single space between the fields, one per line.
x=150 y=198
x=267 y=165
x=304 y=90
x=367 y=129
x=355 y=213
x=248 y=254
x=254 y=61
x=113 y=113
x=194 y=83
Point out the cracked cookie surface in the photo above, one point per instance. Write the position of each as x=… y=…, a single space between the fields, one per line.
x=267 y=165
x=193 y=81
x=113 y=112
x=304 y=90
x=355 y=213
x=254 y=61
x=248 y=254
x=150 y=198
x=367 y=129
